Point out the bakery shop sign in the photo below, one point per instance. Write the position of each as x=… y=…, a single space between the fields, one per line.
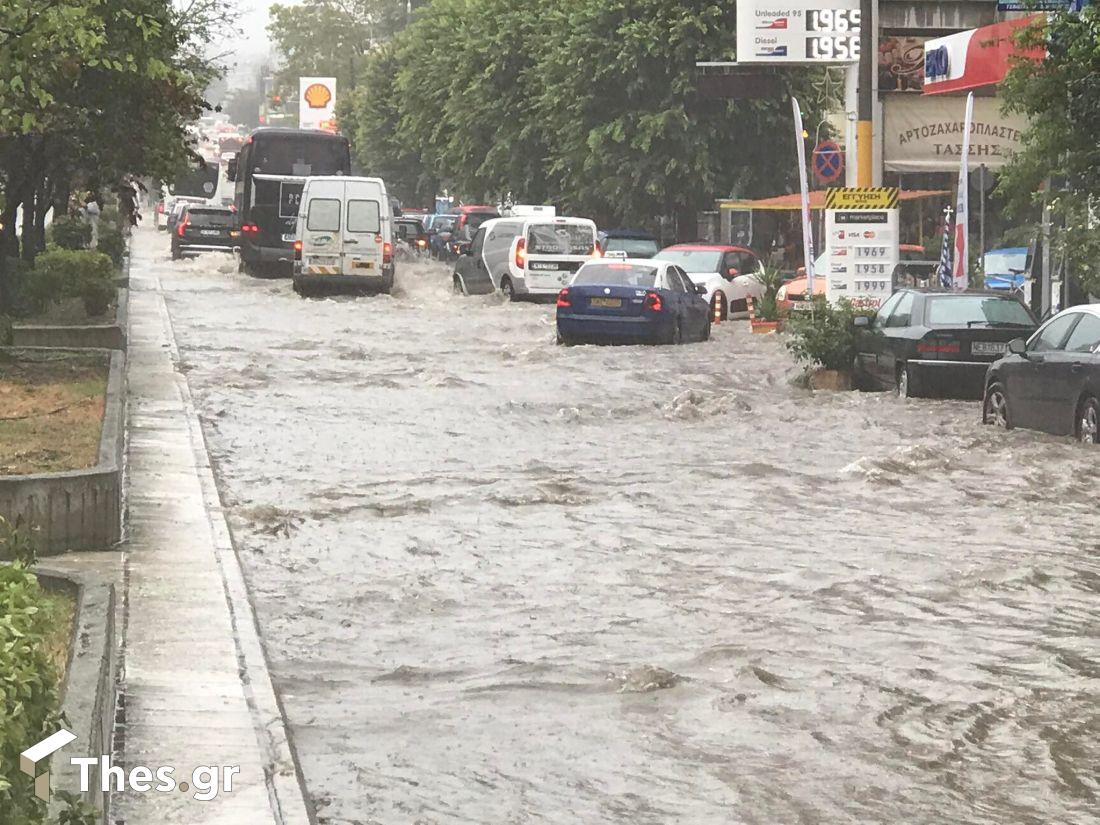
x=924 y=134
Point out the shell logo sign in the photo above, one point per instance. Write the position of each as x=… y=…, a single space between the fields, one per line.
x=317 y=103
x=317 y=96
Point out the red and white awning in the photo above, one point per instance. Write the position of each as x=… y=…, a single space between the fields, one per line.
x=976 y=58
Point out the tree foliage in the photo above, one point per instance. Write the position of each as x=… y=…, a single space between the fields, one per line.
x=121 y=81
x=1061 y=98
x=590 y=104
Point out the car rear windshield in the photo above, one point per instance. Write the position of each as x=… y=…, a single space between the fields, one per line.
x=476 y=219
x=977 y=310
x=693 y=260
x=635 y=275
x=560 y=239
x=210 y=217
x=633 y=247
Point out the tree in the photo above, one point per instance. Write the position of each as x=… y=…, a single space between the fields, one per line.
x=1061 y=98
x=591 y=104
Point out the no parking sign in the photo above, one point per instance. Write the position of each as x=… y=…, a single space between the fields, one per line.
x=828 y=161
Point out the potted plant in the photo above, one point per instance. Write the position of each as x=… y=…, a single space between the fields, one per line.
x=827 y=340
x=764 y=314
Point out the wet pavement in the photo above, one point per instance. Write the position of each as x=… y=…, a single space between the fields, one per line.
x=503 y=581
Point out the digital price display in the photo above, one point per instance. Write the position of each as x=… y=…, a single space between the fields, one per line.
x=861 y=248
x=790 y=31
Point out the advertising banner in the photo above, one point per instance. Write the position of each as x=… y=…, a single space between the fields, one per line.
x=925 y=134
x=317 y=103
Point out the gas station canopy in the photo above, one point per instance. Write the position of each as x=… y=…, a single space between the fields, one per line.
x=817 y=200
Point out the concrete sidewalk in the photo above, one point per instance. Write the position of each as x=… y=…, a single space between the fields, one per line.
x=196 y=688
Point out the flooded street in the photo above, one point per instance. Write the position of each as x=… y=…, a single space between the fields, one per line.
x=502 y=581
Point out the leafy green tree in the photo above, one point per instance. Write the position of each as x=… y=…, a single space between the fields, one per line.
x=1061 y=97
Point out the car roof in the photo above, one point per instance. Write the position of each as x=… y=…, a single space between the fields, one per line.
x=657 y=262
x=638 y=234
x=707 y=247
x=1091 y=309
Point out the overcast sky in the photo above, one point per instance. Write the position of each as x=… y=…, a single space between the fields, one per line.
x=253 y=46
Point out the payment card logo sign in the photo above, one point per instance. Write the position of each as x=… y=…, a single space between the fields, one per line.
x=29 y=759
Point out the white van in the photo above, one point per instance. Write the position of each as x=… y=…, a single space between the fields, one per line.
x=344 y=236
x=525 y=256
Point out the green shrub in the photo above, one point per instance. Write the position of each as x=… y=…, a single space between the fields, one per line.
x=766 y=308
x=67 y=273
x=28 y=682
x=110 y=217
x=826 y=336
x=19 y=274
x=111 y=243
x=70 y=233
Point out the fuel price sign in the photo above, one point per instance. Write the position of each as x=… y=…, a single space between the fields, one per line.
x=861 y=246
x=798 y=31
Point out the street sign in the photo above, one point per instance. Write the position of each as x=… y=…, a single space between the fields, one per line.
x=798 y=31
x=828 y=161
x=861 y=253
x=877 y=197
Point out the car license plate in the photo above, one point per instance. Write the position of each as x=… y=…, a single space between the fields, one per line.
x=209 y=232
x=543 y=266
x=288 y=238
x=362 y=264
x=988 y=348
x=606 y=302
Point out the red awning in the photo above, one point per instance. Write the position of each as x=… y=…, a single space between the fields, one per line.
x=976 y=58
x=817 y=200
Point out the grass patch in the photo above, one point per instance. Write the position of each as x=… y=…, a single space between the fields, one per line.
x=51 y=412
x=59 y=608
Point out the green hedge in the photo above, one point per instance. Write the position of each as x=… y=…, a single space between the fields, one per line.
x=70 y=233
x=111 y=243
x=826 y=336
x=28 y=682
x=72 y=273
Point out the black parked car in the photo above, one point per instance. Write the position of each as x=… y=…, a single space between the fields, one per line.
x=203 y=229
x=1051 y=382
x=925 y=341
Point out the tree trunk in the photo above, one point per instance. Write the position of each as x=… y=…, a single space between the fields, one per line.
x=28 y=250
x=687 y=224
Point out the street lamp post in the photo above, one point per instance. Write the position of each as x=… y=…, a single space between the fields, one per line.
x=865 y=95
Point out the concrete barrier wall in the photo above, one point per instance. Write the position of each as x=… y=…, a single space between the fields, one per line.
x=90 y=336
x=81 y=509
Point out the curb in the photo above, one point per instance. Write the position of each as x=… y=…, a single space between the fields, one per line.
x=286 y=784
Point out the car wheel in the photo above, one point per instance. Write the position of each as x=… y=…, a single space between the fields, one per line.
x=907 y=385
x=457 y=286
x=562 y=341
x=1088 y=421
x=706 y=331
x=718 y=307
x=507 y=290
x=995 y=407
x=176 y=254
x=677 y=336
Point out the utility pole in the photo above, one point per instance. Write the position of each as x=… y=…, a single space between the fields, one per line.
x=865 y=96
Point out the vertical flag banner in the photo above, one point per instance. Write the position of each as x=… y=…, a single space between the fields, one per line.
x=960 y=271
x=947 y=277
x=807 y=233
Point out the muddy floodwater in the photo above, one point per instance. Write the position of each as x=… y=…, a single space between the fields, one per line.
x=501 y=581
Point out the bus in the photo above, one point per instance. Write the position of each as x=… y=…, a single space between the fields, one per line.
x=268 y=174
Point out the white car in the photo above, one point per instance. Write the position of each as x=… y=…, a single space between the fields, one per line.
x=729 y=274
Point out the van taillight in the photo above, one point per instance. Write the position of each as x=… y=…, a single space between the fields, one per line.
x=297 y=250
x=387 y=253
x=160 y=208
x=521 y=253
x=653 y=302
x=563 y=299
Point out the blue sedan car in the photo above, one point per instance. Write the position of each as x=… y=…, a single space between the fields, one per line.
x=632 y=301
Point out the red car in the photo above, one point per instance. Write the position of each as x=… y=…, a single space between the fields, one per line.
x=469 y=219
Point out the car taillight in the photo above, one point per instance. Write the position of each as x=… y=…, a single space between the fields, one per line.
x=421 y=242
x=597 y=253
x=387 y=253
x=297 y=250
x=653 y=302
x=160 y=208
x=183 y=225
x=521 y=253
x=949 y=347
x=563 y=299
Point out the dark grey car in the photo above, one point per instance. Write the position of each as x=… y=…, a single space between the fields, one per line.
x=1051 y=382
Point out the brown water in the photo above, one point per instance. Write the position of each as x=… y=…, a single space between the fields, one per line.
x=504 y=581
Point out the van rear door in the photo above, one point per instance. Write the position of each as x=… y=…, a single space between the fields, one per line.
x=365 y=228
x=321 y=227
x=554 y=251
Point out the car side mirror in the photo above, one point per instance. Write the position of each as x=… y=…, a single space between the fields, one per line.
x=861 y=321
x=700 y=289
x=1018 y=346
